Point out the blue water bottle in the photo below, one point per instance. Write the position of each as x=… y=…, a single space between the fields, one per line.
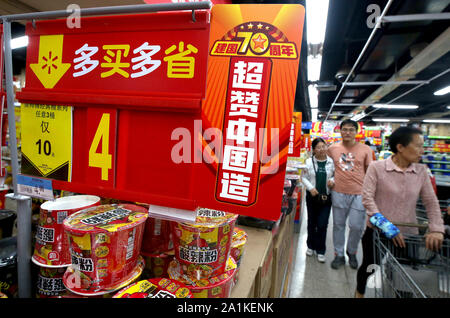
x=389 y=230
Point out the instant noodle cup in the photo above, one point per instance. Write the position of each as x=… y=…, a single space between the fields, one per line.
x=50 y=282
x=104 y=243
x=155 y=288
x=72 y=279
x=51 y=248
x=156 y=265
x=157 y=237
x=203 y=247
x=215 y=287
x=237 y=248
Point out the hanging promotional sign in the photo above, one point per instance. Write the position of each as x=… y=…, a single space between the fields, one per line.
x=256 y=50
x=47 y=141
x=145 y=109
x=130 y=80
x=295 y=135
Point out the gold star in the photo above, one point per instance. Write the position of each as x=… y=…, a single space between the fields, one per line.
x=250 y=25
x=259 y=26
x=267 y=28
x=259 y=42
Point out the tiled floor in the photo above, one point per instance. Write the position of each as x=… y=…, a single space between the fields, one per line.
x=311 y=279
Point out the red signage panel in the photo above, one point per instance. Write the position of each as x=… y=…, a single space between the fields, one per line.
x=163 y=116
x=133 y=80
x=252 y=75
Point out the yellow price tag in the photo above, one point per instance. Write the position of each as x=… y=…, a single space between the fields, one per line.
x=47 y=141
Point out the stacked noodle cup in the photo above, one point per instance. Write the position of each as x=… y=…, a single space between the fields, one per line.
x=155 y=288
x=157 y=247
x=51 y=252
x=237 y=248
x=202 y=254
x=104 y=245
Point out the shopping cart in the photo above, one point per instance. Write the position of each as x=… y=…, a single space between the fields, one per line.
x=421 y=213
x=413 y=271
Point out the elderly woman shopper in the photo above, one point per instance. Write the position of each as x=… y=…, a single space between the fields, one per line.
x=392 y=188
x=318 y=179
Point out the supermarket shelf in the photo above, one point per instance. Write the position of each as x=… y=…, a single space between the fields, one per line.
x=434 y=161
x=443 y=181
x=440 y=170
x=439 y=137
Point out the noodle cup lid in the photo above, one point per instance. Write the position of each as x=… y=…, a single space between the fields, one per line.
x=175 y=272
x=155 y=288
x=239 y=237
x=212 y=218
x=106 y=218
x=70 y=203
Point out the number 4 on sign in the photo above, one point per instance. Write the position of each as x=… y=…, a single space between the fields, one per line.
x=102 y=160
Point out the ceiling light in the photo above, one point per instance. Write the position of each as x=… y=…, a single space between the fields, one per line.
x=358 y=116
x=314 y=114
x=389 y=106
x=19 y=42
x=314 y=64
x=442 y=91
x=313 y=96
x=316 y=19
x=448 y=106
x=391 y=120
x=437 y=121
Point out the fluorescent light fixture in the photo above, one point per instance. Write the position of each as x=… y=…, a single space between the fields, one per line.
x=391 y=120
x=316 y=23
x=316 y=19
x=314 y=113
x=442 y=91
x=313 y=96
x=19 y=42
x=389 y=106
x=314 y=64
x=437 y=121
x=358 y=116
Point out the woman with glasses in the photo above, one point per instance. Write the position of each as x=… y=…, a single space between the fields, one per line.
x=318 y=178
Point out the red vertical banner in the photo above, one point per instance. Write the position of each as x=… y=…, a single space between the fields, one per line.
x=295 y=135
x=250 y=90
x=245 y=115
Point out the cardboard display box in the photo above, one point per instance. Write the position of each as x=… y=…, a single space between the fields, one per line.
x=255 y=269
x=282 y=244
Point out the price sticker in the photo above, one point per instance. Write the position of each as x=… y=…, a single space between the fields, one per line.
x=35 y=187
x=47 y=141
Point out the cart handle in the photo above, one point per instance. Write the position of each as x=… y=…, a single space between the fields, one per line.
x=420 y=226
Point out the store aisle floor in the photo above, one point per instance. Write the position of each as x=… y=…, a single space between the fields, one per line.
x=311 y=279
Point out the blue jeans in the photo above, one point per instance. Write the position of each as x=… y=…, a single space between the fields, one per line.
x=318 y=216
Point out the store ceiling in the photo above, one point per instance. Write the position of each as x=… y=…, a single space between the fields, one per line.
x=394 y=51
x=390 y=52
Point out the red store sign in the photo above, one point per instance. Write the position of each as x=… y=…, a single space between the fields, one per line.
x=138 y=82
